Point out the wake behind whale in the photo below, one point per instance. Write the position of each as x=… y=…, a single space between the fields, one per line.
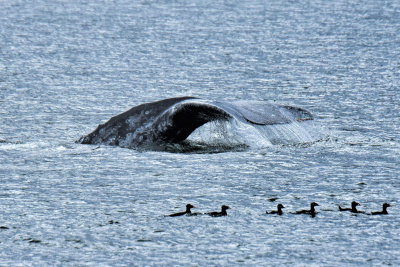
x=167 y=122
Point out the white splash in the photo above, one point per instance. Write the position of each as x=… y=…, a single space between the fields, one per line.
x=235 y=132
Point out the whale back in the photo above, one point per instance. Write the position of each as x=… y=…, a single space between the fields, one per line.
x=262 y=113
x=173 y=120
x=131 y=121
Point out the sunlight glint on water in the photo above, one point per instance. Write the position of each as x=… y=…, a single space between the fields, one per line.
x=68 y=66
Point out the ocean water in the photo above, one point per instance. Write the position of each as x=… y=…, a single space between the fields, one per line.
x=67 y=66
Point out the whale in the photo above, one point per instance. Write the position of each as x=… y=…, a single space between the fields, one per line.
x=172 y=120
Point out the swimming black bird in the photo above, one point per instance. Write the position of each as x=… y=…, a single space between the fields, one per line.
x=221 y=213
x=353 y=208
x=311 y=211
x=279 y=211
x=186 y=212
x=384 y=211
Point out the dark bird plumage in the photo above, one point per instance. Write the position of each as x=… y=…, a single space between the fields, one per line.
x=311 y=211
x=219 y=213
x=278 y=211
x=383 y=211
x=353 y=208
x=186 y=212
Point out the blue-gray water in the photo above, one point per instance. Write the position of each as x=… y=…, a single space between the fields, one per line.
x=67 y=66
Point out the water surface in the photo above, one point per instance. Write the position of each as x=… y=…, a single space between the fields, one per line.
x=68 y=66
